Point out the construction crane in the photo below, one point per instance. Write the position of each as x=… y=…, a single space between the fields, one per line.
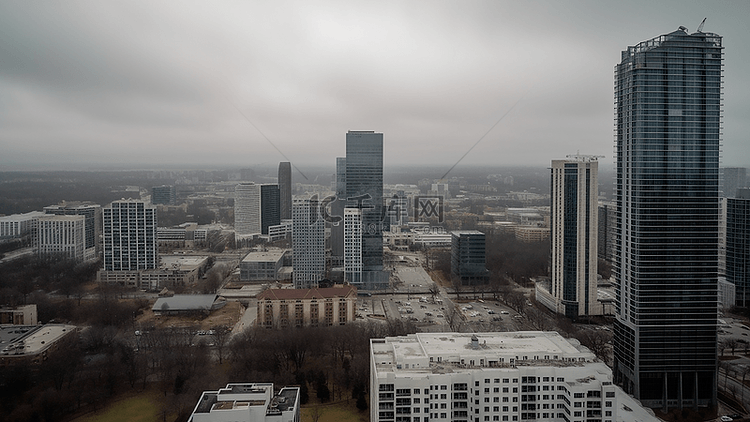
x=700 y=27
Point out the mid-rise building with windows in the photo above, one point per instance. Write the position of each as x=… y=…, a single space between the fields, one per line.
x=469 y=257
x=509 y=376
x=353 y=245
x=61 y=236
x=316 y=307
x=164 y=195
x=19 y=226
x=92 y=225
x=130 y=243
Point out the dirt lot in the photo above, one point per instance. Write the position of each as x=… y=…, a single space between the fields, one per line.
x=228 y=316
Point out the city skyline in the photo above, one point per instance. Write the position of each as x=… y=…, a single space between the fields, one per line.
x=89 y=84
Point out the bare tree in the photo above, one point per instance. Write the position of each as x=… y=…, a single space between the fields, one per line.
x=316 y=413
x=221 y=337
x=453 y=317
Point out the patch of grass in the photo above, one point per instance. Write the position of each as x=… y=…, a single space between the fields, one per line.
x=336 y=412
x=140 y=408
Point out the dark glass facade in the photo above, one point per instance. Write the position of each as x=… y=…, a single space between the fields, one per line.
x=269 y=207
x=738 y=246
x=469 y=257
x=667 y=100
x=285 y=190
x=364 y=189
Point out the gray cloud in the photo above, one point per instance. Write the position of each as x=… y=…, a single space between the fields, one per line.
x=151 y=83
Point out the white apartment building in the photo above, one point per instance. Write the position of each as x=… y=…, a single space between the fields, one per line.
x=308 y=243
x=247 y=210
x=482 y=377
x=248 y=402
x=574 y=233
x=61 y=236
x=353 y=245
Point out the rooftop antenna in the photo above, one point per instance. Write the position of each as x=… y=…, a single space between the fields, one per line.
x=700 y=27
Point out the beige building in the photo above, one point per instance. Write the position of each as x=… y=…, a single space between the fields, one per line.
x=20 y=315
x=316 y=307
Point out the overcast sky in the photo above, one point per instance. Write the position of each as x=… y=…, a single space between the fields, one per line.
x=167 y=82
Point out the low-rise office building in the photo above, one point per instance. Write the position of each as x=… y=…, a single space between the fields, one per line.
x=31 y=344
x=20 y=315
x=316 y=307
x=507 y=376
x=262 y=265
x=248 y=403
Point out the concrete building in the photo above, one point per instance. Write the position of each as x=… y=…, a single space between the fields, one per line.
x=364 y=190
x=20 y=315
x=262 y=266
x=130 y=236
x=185 y=235
x=308 y=243
x=256 y=207
x=19 y=226
x=468 y=257
x=281 y=231
x=61 y=236
x=92 y=227
x=285 y=190
x=174 y=271
x=31 y=344
x=317 y=307
x=573 y=217
x=509 y=376
x=668 y=113
x=353 y=246
x=248 y=402
x=164 y=195
x=738 y=246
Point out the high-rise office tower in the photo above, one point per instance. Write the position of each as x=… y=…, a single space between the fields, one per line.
x=130 y=242
x=308 y=243
x=667 y=101
x=364 y=190
x=732 y=178
x=574 y=233
x=738 y=246
x=269 y=207
x=164 y=195
x=93 y=227
x=256 y=207
x=337 y=212
x=285 y=190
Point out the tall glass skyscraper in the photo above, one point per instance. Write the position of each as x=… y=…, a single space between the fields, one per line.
x=285 y=190
x=667 y=100
x=364 y=190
